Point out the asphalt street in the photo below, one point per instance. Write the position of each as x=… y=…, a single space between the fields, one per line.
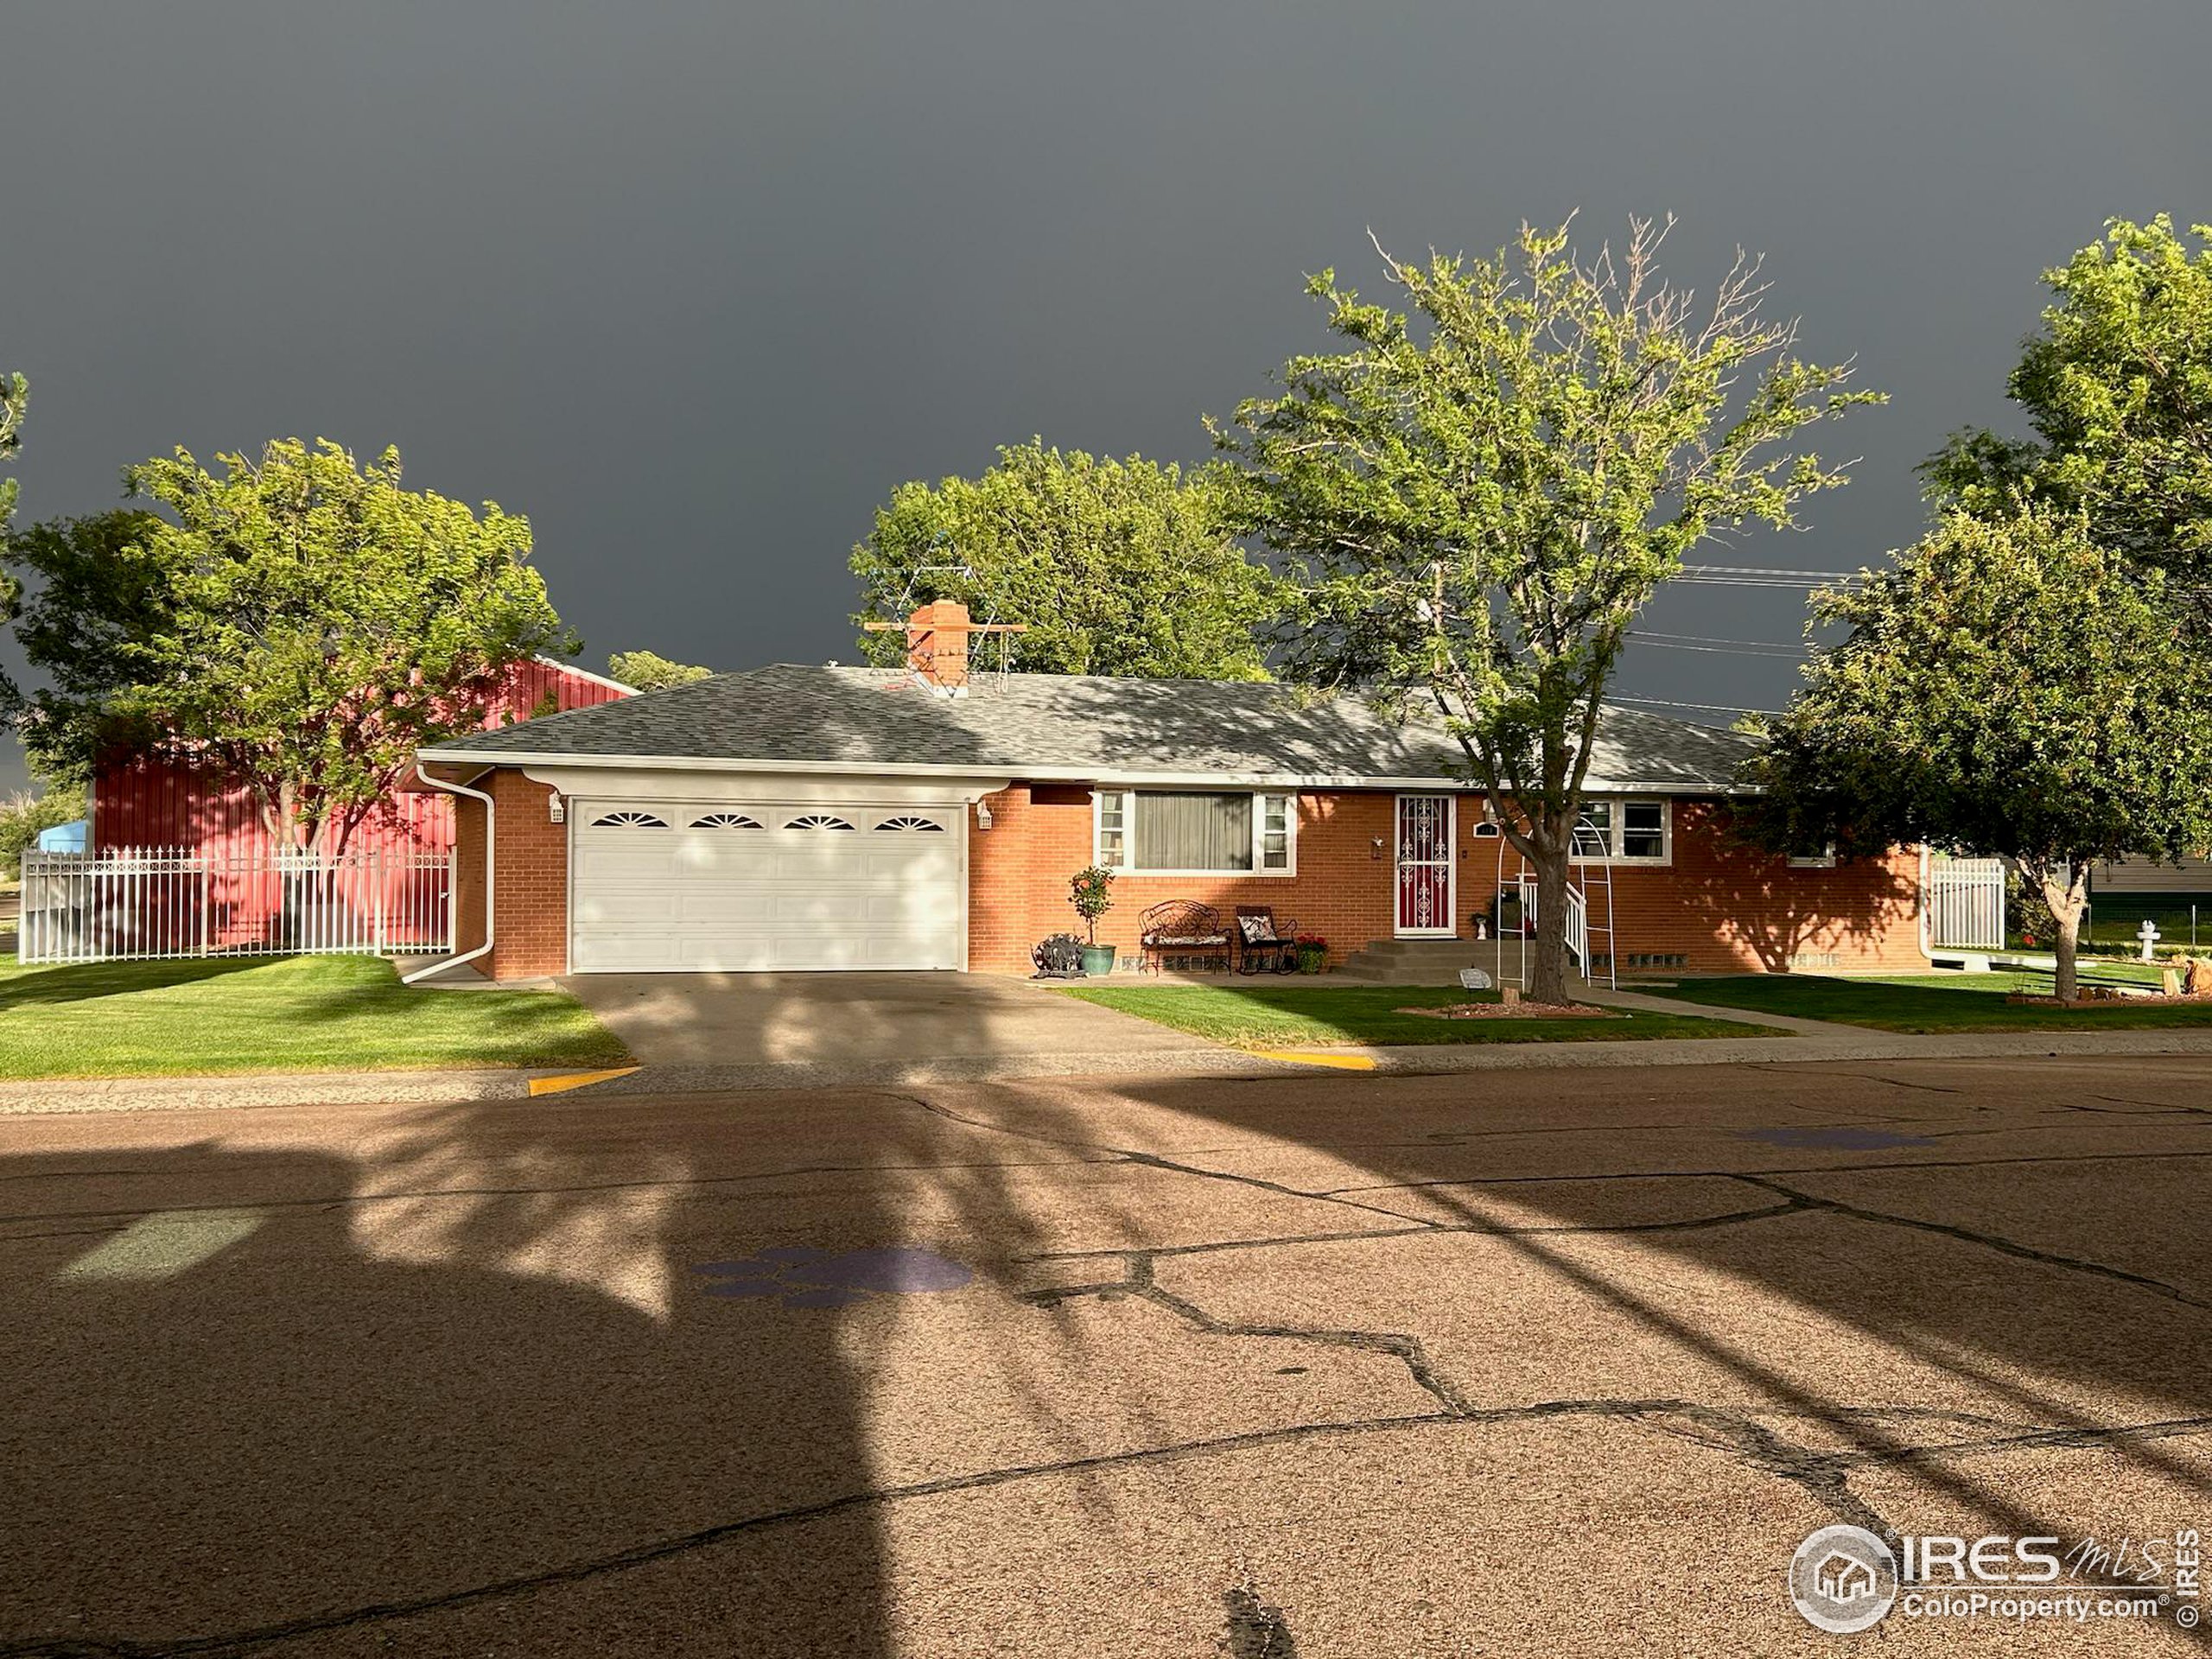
x=1520 y=1363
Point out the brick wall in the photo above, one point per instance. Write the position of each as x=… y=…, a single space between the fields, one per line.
x=531 y=864
x=1019 y=870
x=1717 y=907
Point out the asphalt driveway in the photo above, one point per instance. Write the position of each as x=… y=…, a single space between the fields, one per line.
x=856 y=1020
x=1524 y=1363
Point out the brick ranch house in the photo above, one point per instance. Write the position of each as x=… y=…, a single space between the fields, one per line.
x=850 y=818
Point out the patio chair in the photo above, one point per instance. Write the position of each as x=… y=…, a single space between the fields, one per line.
x=1185 y=930
x=1263 y=942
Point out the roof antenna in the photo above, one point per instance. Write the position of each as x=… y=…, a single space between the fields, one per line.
x=942 y=543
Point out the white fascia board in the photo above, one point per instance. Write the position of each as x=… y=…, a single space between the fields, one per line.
x=585 y=674
x=540 y=762
x=603 y=783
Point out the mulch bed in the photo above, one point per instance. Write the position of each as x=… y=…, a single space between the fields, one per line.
x=1511 y=1011
x=2098 y=999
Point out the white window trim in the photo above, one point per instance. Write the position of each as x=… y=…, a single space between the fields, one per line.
x=1130 y=792
x=1815 y=860
x=1616 y=828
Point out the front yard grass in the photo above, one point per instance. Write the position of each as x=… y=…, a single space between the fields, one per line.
x=1929 y=1002
x=287 y=1013
x=1301 y=1016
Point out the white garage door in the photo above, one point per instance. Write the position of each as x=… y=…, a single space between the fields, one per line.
x=657 y=886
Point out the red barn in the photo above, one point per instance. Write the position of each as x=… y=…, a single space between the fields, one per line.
x=140 y=802
x=180 y=862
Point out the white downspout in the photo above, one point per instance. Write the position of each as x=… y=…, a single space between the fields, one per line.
x=490 y=908
x=1927 y=943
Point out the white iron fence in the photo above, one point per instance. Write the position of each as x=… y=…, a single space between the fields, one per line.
x=172 y=901
x=1965 y=904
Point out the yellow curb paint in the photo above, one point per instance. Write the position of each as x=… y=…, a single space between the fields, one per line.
x=1303 y=1057
x=567 y=1080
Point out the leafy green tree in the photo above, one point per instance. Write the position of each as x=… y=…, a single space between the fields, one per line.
x=2011 y=690
x=1117 y=567
x=298 y=619
x=1474 y=508
x=644 y=671
x=2117 y=385
x=15 y=398
x=23 y=814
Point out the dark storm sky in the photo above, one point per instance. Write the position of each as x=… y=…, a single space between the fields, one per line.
x=693 y=286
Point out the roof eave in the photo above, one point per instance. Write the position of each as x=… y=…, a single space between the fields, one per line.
x=1251 y=780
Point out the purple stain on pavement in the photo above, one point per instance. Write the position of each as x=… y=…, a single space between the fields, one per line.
x=804 y=1276
x=1840 y=1139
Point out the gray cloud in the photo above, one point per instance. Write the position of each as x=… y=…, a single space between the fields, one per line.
x=695 y=285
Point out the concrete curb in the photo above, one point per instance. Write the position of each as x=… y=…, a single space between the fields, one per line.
x=431 y=1088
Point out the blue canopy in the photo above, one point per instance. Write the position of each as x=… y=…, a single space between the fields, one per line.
x=66 y=837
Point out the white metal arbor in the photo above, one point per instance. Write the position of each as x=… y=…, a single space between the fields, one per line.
x=1589 y=903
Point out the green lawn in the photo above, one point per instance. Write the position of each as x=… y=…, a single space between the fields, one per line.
x=1929 y=1003
x=289 y=1014
x=1301 y=1016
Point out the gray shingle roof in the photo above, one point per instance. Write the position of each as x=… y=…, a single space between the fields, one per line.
x=1031 y=724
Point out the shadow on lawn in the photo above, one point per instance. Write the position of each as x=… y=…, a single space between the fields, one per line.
x=88 y=982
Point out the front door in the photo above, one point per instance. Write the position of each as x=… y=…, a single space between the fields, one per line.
x=1424 y=866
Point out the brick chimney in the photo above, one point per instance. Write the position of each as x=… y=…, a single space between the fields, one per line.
x=937 y=643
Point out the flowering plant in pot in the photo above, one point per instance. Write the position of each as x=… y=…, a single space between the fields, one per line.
x=1312 y=953
x=1090 y=892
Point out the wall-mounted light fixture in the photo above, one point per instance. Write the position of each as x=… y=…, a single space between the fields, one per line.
x=1375 y=851
x=982 y=816
x=557 y=807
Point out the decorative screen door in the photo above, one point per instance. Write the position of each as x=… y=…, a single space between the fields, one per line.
x=1424 y=866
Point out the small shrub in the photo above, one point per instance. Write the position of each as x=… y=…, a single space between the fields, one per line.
x=1091 y=893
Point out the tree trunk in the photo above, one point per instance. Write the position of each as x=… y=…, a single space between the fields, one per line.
x=1548 y=967
x=2065 y=889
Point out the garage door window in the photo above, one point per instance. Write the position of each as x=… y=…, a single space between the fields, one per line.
x=629 y=821
x=911 y=823
x=725 y=821
x=817 y=821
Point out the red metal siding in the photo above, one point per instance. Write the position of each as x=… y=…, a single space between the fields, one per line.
x=145 y=803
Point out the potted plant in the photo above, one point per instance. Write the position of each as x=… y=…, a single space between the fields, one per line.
x=1312 y=953
x=1090 y=892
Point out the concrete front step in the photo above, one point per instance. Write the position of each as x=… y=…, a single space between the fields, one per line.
x=1417 y=962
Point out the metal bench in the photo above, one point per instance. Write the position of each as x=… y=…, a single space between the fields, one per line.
x=1185 y=930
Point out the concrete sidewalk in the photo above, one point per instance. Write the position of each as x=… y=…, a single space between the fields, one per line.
x=1795 y=1041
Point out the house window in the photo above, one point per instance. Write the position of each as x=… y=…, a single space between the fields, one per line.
x=1625 y=832
x=1180 y=832
x=1823 y=860
x=1274 y=832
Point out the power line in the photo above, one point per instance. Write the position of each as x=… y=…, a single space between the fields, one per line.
x=1724 y=647
x=1716 y=708
x=1750 y=575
